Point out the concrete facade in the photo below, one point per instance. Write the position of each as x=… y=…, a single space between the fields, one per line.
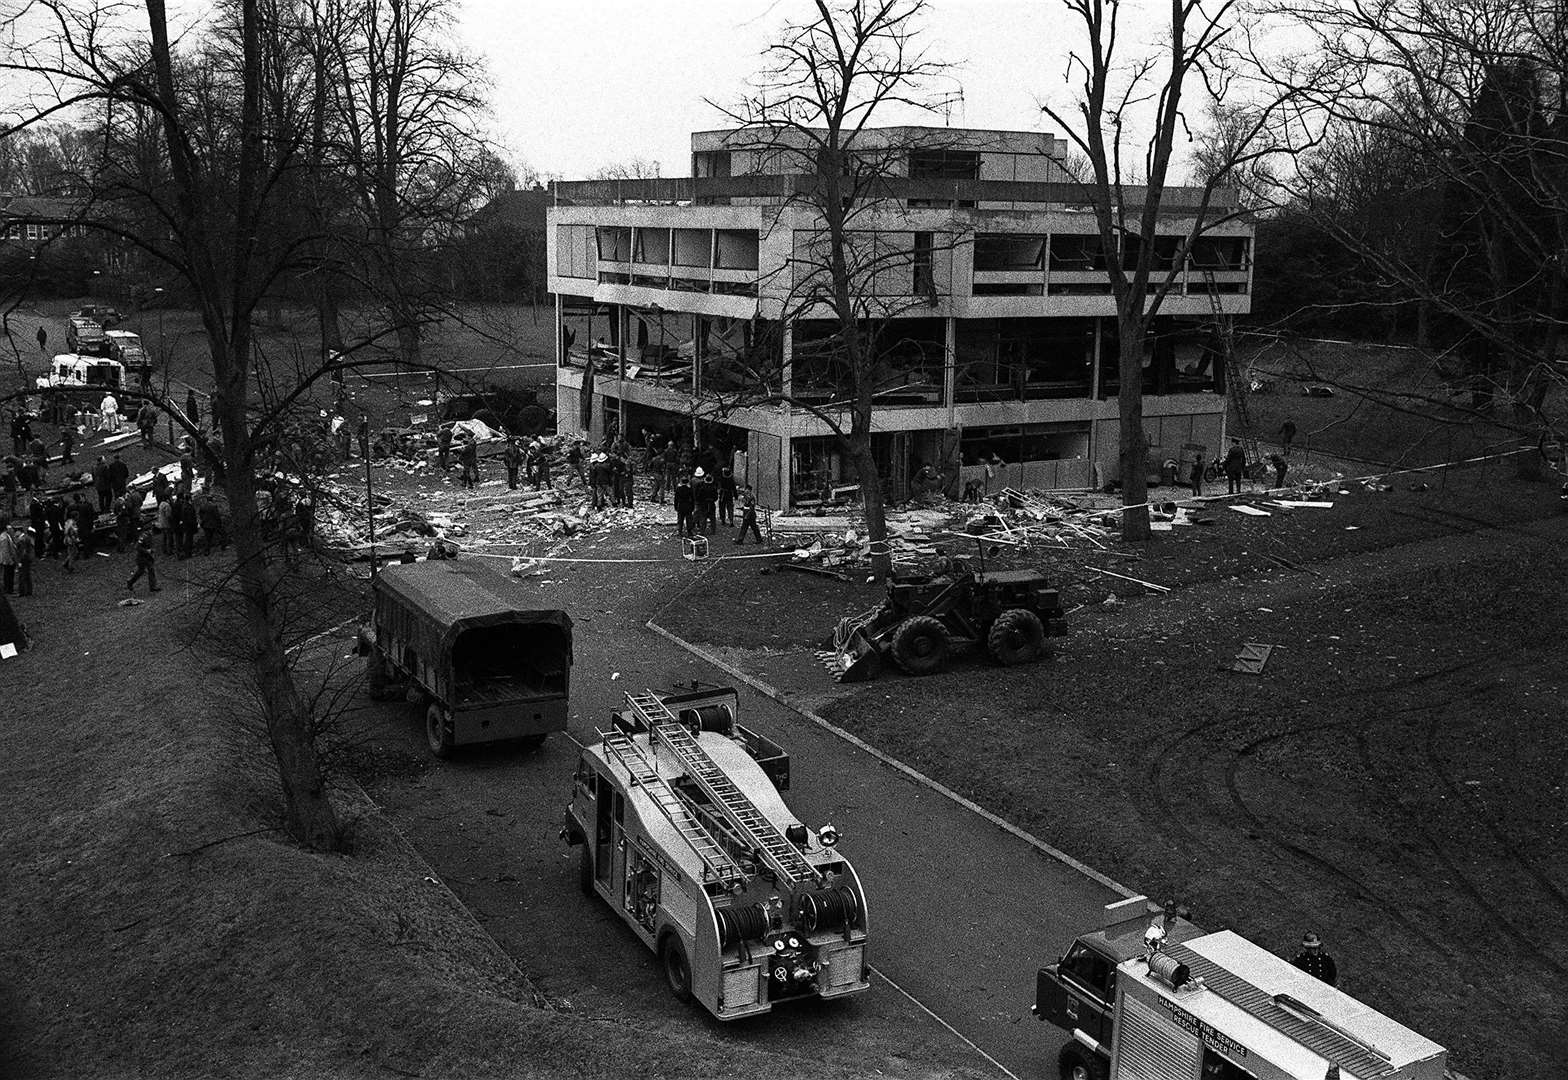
x=985 y=266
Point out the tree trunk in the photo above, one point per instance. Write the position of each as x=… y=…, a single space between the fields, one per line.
x=872 y=500
x=327 y=317
x=1134 y=450
x=309 y=815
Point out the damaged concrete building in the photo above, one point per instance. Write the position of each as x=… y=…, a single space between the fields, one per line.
x=686 y=306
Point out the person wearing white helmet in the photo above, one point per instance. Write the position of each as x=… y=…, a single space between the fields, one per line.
x=705 y=493
x=1315 y=960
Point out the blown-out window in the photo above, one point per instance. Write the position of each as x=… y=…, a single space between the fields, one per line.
x=1009 y=251
x=735 y=249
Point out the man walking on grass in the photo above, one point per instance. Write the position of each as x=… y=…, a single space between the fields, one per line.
x=144 y=564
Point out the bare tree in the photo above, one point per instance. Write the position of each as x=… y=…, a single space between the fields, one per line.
x=636 y=168
x=406 y=104
x=191 y=176
x=1475 y=94
x=811 y=108
x=1145 y=260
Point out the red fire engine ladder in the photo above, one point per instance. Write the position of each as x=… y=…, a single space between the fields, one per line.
x=717 y=865
x=778 y=853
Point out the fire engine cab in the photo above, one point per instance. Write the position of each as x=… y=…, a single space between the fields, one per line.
x=685 y=835
x=1217 y=1007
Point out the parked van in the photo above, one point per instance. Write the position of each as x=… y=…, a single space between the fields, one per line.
x=455 y=634
x=68 y=370
x=83 y=335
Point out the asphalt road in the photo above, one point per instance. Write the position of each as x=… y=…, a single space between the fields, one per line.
x=962 y=912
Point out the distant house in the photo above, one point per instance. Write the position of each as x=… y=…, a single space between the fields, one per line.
x=36 y=219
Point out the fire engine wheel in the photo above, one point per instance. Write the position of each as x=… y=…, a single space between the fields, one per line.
x=677 y=972
x=437 y=735
x=1016 y=637
x=1080 y=1063
x=920 y=645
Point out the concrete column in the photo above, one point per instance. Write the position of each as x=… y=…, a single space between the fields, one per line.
x=950 y=370
x=787 y=358
x=697 y=356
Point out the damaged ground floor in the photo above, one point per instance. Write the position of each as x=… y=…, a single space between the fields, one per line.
x=1027 y=403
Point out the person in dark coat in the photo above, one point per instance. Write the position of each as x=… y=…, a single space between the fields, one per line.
x=748 y=516
x=656 y=470
x=210 y=518
x=1287 y=435
x=541 y=465
x=192 y=411
x=86 y=520
x=726 y=497
x=574 y=461
x=186 y=522
x=43 y=340
x=124 y=525
x=54 y=515
x=512 y=458
x=1195 y=477
x=1315 y=960
x=102 y=484
x=706 y=494
x=67 y=444
x=144 y=564
x=444 y=449
x=598 y=479
x=685 y=504
x=468 y=458
x=119 y=475
x=1235 y=466
x=625 y=475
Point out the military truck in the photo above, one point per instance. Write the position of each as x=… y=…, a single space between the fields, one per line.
x=85 y=336
x=456 y=636
x=685 y=834
x=127 y=348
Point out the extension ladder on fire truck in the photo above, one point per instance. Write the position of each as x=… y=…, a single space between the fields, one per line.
x=1238 y=384
x=779 y=854
x=644 y=774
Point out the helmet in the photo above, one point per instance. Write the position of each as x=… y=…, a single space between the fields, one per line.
x=1310 y=940
x=698 y=473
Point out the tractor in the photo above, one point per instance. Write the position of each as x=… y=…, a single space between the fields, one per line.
x=926 y=618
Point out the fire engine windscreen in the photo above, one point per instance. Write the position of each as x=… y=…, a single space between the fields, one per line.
x=502 y=662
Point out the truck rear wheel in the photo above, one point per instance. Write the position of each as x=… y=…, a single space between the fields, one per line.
x=1081 y=1063
x=437 y=735
x=677 y=972
x=920 y=645
x=1017 y=637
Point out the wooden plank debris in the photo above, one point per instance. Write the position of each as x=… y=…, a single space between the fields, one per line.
x=1135 y=581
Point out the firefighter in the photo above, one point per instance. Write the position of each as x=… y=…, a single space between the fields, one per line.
x=513 y=459
x=1315 y=960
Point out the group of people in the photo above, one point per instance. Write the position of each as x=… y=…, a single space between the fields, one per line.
x=532 y=460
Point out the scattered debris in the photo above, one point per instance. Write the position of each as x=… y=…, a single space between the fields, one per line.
x=1135 y=581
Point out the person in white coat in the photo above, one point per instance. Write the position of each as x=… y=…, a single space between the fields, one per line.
x=109 y=414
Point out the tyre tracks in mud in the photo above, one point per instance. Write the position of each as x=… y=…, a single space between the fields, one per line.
x=1209 y=761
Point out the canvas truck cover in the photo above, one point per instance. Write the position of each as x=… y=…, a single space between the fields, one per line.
x=451 y=596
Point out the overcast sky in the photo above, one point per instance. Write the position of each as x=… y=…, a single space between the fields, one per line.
x=581 y=85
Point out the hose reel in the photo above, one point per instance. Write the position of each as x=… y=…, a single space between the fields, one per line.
x=827 y=909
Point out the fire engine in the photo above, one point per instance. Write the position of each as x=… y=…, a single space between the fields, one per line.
x=685 y=834
x=1213 y=1006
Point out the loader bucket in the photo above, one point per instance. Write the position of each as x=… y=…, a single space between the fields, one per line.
x=859 y=660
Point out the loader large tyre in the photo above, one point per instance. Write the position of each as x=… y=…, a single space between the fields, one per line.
x=1017 y=637
x=920 y=645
